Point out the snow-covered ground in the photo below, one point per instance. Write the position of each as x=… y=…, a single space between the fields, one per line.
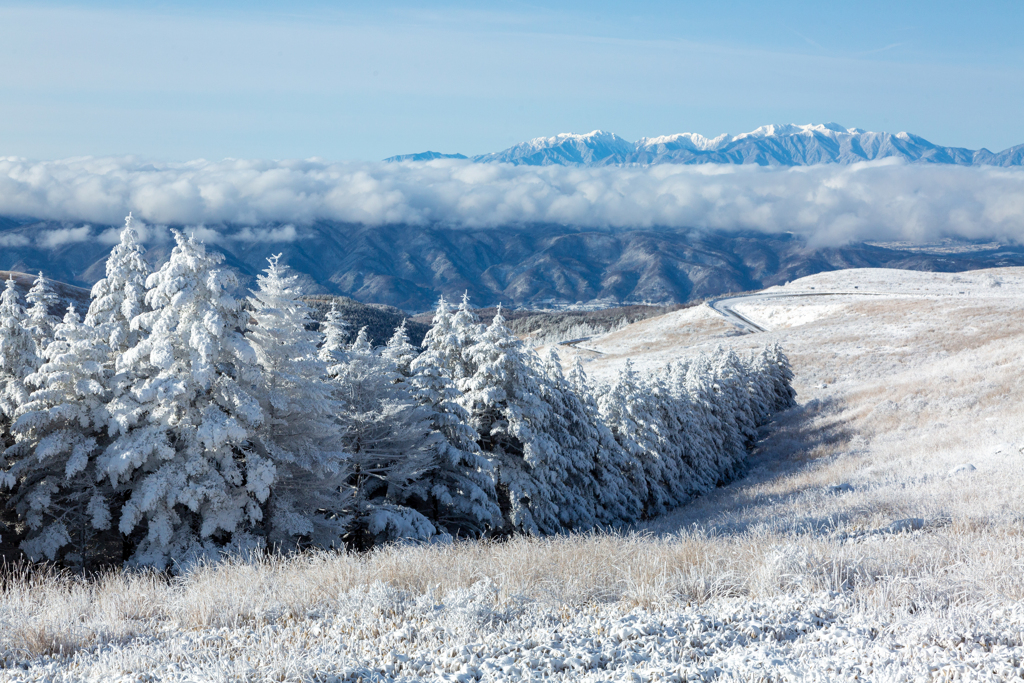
x=878 y=534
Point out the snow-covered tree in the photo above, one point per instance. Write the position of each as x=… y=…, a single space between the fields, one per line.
x=184 y=427
x=460 y=496
x=389 y=441
x=300 y=436
x=58 y=434
x=120 y=297
x=464 y=331
x=41 y=320
x=573 y=472
x=621 y=409
x=400 y=353
x=18 y=358
x=502 y=392
x=774 y=366
x=619 y=477
x=669 y=470
x=334 y=329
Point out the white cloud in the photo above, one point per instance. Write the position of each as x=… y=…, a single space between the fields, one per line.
x=51 y=239
x=14 y=241
x=827 y=204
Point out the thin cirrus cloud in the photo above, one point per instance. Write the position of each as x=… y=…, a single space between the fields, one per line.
x=264 y=201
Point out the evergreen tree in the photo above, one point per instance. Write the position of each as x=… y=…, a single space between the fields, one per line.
x=120 y=297
x=58 y=432
x=573 y=471
x=465 y=331
x=714 y=462
x=389 y=441
x=669 y=470
x=333 y=349
x=619 y=478
x=41 y=321
x=299 y=434
x=621 y=410
x=503 y=394
x=17 y=359
x=779 y=376
x=460 y=495
x=185 y=424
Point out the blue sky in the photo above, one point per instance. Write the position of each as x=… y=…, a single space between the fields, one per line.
x=178 y=81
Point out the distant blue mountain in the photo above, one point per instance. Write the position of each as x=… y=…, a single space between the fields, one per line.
x=425 y=156
x=774 y=145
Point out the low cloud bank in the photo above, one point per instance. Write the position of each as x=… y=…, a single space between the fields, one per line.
x=827 y=204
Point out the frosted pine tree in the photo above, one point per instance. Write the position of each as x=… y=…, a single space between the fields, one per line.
x=43 y=304
x=732 y=377
x=120 y=297
x=619 y=477
x=503 y=394
x=669 y=467
x=400 y=352
x=389 y=441
x=460 y=496
x=299 y=435
x=573 y=470
x=18 y=358
x=334 y=328
x=713 y=458
x=781 y=377
x=621 y=409
x=59 y=431
x=184 y=426
x=464 y=332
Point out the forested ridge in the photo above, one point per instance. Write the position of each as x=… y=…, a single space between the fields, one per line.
x=176 y=421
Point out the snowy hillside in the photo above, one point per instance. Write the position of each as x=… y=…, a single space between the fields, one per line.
x=771 y=145
x=876 y=535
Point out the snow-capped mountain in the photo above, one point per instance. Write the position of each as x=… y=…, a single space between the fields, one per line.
x=596 y=148
x=425 y=156
x=772 y=145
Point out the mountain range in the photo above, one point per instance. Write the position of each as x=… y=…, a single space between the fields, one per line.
x=773 y=145
x=539 y=266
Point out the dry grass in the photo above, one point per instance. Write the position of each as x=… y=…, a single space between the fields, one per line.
x=967 y=562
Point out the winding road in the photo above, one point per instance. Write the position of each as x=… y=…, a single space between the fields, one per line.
x=723 y=305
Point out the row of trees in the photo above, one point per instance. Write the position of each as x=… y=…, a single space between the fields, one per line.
x=181 y=420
